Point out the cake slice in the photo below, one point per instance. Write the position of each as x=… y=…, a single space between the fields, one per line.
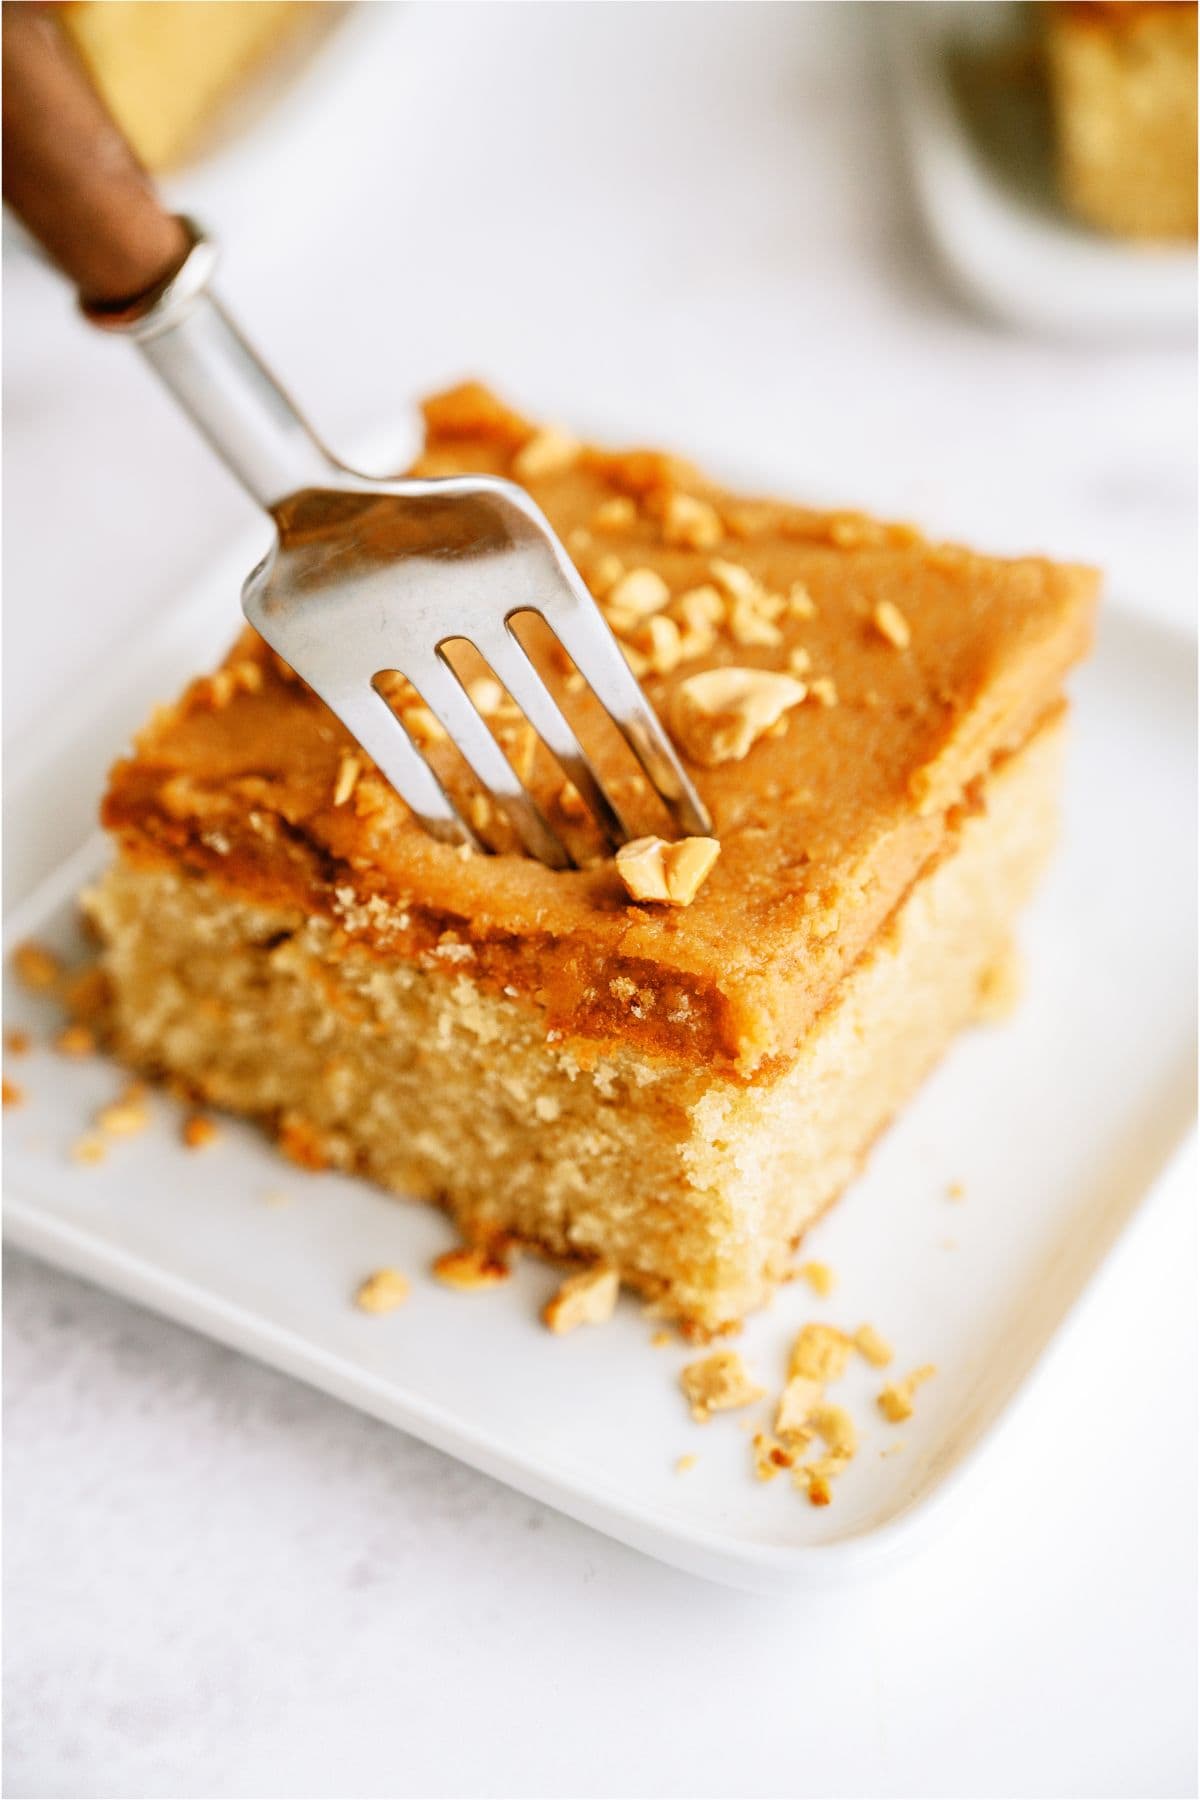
x=875 y=723
x=1123 y=88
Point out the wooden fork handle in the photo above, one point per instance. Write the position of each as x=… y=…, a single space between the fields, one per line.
x=69 y=174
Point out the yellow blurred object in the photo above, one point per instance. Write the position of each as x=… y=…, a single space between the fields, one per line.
x=1123 y=85
x=165 y=66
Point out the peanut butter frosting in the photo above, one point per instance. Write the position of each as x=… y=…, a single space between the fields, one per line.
x=839 y=687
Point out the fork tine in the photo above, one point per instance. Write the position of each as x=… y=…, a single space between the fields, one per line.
x=445 y=695
x=376 y=727
x=594 y=650
x=511 y=663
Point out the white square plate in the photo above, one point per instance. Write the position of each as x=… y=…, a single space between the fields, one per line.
x=1056 y=1123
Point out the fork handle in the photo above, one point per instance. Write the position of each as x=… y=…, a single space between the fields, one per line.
x=70 y=176
x=73 y=180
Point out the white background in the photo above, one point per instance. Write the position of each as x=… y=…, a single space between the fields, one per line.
x=686 y=224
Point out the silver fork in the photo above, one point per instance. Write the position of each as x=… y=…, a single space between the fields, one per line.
x=365 y=578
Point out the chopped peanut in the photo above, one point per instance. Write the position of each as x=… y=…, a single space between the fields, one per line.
x=635 y=595
x=691 y=523
x=801 y=604
x=891 y=624
x=349 y=770
x=671 y=874
x=75 y=1040
x=382 y=1292
x=717 y=715
x=661 y=643
x=617 y=514
x=700 y=607
x=605 y=574
x=486 y=695
x=589 y=1298
x=750 y=623
x=876 y=1349
x=821 y=1352
x=896 y=1400
x=734 y=580
x=548 y=452
x=824 y=690
x=718 y=1383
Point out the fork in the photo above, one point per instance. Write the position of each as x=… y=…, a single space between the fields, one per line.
x=365 y=578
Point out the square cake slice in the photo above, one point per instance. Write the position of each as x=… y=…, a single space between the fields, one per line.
x=875 y=723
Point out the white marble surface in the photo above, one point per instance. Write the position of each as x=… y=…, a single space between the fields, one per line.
x=694 y=224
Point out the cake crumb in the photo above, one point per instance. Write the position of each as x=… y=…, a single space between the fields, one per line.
x=872 y=1345
x=302 y=1143
x=770 y=1456
x=589 y=1298
x=891 y=624
x=891 y=1449
x=796 y=1405
x=824 y=690
x=89 y=1149
x=895 y=1401
x=661 y=1339
x=17 y=1042
x=819 y=1492
x=819 y=1276
x=127 y=1116
x=718 y=1383
x=276 y=1197
x=669 y=874
x=471 y=1267
x=821 y=1352
x=956 y=1191
x=198 y=1131
x=1000 y=989
x=834 y=1426
x=37 y=968
x=685 y=1463
x=75 y=1040
x=382 y=1292
x=11 y=1092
